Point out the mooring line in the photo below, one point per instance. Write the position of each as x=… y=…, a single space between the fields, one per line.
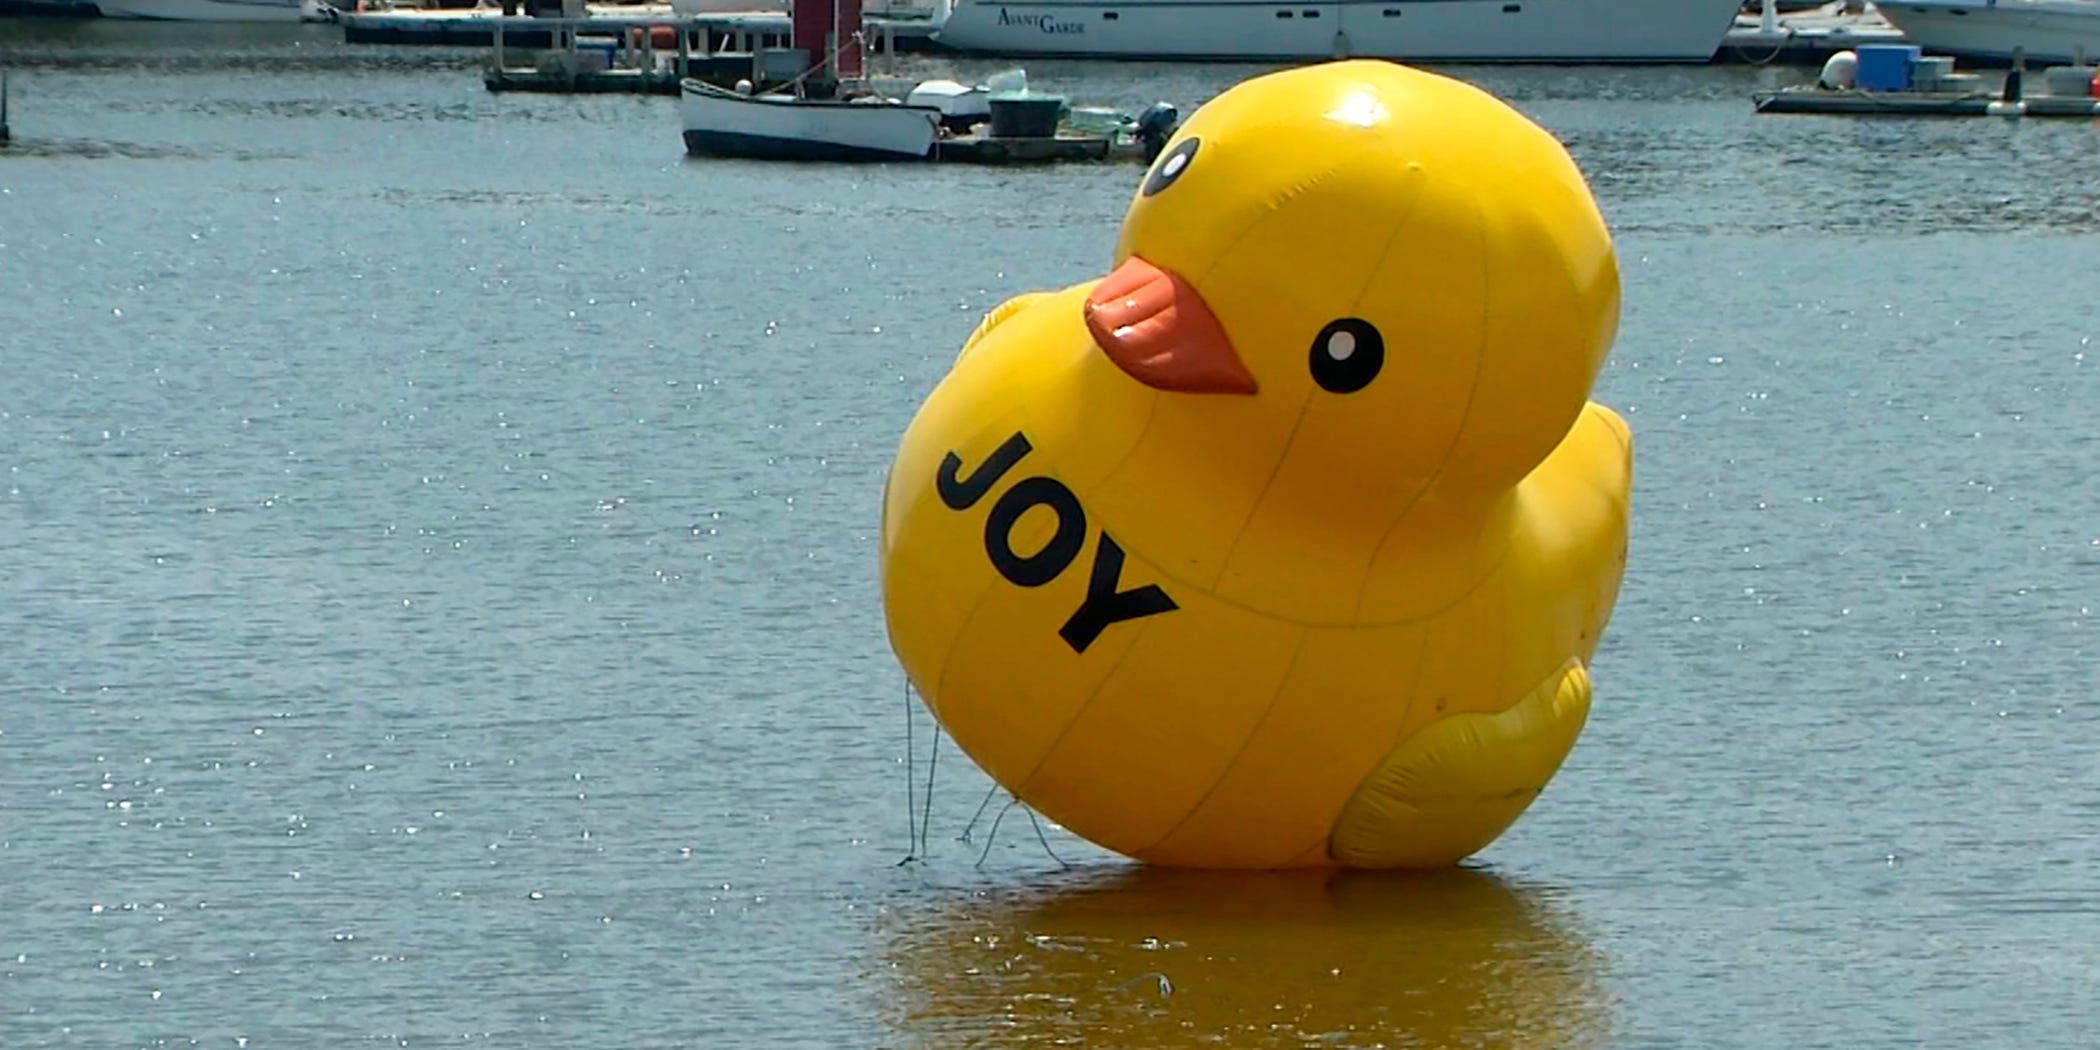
x=1045 y=840
x=979 y=815
x=993 y=835
x=933 y=764
x=911 y=804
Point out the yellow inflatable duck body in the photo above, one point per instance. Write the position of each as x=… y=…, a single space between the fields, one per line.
x=1287 y=543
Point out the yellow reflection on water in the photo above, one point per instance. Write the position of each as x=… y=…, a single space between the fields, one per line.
x=1155 y=958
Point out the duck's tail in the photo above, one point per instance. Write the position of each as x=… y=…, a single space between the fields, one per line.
x=997 y=317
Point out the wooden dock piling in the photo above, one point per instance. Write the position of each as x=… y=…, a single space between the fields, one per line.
x=632 y=63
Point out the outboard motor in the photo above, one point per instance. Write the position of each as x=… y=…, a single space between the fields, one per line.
x=1155 y=126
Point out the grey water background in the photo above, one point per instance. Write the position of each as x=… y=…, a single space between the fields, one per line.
x=438 y=598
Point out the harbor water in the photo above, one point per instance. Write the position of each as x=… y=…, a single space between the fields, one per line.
x=438 y=595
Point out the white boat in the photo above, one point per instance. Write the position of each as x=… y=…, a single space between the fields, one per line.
x=218 y=10
x=2049 y=32
x=58 y=8
x=1415 y=30
x=722 y=123
x=964 y=105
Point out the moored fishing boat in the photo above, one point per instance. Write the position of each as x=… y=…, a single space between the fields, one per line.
x=724 y=123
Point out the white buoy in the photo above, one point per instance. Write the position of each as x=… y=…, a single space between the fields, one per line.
x=743 y=87
x=2002 y=108
x=1840 y=71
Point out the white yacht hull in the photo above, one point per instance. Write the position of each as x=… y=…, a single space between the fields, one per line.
x=1415 y=30
x=214 y=10
x=62 y=8
x=2049 y=31
x=724 y=124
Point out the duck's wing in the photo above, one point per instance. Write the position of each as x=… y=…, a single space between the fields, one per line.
x=1454 y=786
x=998 y=316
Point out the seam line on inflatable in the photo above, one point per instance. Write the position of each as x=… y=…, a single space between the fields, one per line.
x=1108 y=476
x=1443 y=463
x=1079 y=713
x=1240 y=752
x=948 y=655
x=1275 y=468
x=1400 y=733
x=1416 y=176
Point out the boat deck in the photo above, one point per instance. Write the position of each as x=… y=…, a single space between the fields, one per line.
x=1918 y=104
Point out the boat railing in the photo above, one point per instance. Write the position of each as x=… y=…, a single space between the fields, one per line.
x=902 y=9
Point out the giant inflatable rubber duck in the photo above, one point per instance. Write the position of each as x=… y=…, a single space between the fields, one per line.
x=1287 y=543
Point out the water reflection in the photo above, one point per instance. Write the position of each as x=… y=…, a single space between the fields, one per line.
x=1142 y=958
x=99 y=149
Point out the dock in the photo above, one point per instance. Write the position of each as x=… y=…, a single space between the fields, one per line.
x=564 y=61
x=1921 y=104
x=735 y=31
x=1806 y=38
x=1899 y=81
x=1066 y=146
x=573 y=56
x=571 y=81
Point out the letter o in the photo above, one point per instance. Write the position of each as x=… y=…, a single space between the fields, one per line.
x=1044 y=565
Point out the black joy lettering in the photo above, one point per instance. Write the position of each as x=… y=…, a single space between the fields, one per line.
x=963 y=494
x=1044 y=565
x=1104 y=605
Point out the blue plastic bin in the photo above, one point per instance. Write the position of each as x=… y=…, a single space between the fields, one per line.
x=1885 y=67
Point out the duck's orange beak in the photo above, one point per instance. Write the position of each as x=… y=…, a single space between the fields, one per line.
x=1153 y=325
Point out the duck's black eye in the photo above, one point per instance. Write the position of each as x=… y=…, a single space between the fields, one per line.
x=1347 y=355
x=1172 y=165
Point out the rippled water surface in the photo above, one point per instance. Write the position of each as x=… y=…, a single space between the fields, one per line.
x=437 y=593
